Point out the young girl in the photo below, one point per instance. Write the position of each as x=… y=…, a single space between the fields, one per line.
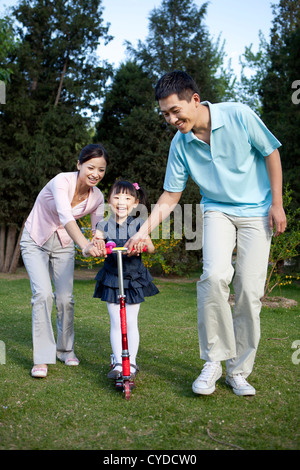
x=123 y=198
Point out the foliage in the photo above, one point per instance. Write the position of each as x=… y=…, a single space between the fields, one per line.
x=163 y=257
x=86 y=262
x=284 y=247
x=131 y=126
x=8 y=46
x=276 y=67
x=132 y=131
x=170 y=256
x=280 y=113
x=55 y=79
x=179 y=39
x=249 y=88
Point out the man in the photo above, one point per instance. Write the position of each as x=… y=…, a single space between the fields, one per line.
x=228 y=151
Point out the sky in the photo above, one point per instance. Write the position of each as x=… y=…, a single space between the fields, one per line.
x=238 y=21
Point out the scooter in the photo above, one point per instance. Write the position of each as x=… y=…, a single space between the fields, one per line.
x=125 y=382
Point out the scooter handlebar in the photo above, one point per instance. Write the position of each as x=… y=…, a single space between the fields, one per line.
x=112 y=247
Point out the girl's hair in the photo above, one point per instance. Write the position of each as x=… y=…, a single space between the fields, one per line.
x=93 y=151
x=126 y=187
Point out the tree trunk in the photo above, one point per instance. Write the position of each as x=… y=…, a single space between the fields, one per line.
x=16 y=254
x=61 y=81
x=9 y=248
x=2 y=246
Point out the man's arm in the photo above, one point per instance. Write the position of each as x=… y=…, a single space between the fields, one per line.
x=164 y=206
x=276 y=214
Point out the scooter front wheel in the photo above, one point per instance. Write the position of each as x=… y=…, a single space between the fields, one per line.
x=127 y=389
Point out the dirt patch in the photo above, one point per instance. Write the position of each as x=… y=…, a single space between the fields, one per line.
x=89 y=274
x=80 y=275
x=273 y=302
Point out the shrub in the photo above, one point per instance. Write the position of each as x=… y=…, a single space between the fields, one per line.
x=284 y=247
x=170 y=255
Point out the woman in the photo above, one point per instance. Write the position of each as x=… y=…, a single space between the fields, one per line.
x=47 y=248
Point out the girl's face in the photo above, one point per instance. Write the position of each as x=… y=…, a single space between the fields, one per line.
x=122 y=204
x=92 y=171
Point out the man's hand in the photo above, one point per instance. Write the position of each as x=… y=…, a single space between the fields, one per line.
x=135 y=244
x=277 y=217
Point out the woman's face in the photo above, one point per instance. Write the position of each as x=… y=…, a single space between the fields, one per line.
x=122 y=204
x=92 y=171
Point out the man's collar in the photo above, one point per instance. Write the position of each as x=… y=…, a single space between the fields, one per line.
x=216 y=117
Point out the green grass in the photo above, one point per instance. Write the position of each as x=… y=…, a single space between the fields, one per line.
x=79 y=408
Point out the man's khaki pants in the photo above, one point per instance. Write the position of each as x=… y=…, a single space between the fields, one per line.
x=224 y=334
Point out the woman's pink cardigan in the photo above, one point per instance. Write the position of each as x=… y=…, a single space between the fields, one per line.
x=52 y=209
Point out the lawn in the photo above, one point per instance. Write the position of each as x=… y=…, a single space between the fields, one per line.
x=79 y=408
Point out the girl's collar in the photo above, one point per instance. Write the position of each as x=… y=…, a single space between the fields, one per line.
x=127 y=221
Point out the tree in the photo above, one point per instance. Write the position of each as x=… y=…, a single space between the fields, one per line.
x=55 y=81
x=279 y=111
x=8 y=46
x=132 y=130
x=131 y=127
x=276 y=69
x=179 y=39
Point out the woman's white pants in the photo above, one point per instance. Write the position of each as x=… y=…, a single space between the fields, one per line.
x=43 y=263
x=224 y=334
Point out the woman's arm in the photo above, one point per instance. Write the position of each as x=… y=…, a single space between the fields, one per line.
x=60 y=190
x=77 y=236
x=99 y=243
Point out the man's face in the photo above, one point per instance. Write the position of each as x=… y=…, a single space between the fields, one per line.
x=180 y=113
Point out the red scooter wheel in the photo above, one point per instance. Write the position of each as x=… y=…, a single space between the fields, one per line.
x=127 y=389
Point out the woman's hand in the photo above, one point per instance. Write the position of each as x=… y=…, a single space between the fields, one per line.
x=92 y=250
x=99 y=243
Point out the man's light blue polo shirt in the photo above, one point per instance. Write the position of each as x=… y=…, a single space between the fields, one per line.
x=231 y=171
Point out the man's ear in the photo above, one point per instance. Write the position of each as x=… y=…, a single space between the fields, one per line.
x=196 y=99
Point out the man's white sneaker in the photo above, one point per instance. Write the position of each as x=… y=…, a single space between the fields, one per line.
x=239 y=385
x=205 y=384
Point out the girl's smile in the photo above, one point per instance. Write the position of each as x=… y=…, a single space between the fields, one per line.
x=122 y=204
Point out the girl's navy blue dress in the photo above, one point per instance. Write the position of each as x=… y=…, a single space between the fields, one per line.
x=137 y=279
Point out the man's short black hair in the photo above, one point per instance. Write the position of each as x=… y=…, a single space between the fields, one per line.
x=176 y=82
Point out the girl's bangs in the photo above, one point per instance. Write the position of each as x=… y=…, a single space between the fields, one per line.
x=123 y=187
